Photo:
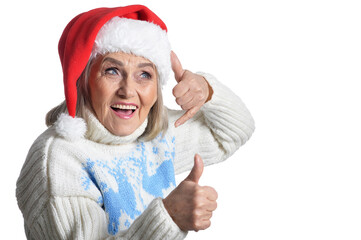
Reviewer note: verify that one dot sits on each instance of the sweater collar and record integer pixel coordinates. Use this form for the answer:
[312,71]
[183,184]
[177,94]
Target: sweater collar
[98,133]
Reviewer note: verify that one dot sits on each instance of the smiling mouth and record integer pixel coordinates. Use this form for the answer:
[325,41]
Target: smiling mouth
[123,109]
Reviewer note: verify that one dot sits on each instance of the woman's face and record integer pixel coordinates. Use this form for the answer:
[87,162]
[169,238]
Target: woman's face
[123,89]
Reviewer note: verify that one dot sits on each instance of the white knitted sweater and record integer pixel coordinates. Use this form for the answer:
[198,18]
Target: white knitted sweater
[101,186]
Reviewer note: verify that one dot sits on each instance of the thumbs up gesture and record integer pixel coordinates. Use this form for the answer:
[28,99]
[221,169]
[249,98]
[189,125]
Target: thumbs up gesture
[189,204]
[191,92]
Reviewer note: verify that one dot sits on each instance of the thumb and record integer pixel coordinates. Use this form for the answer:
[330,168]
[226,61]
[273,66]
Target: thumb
[197,170]
[176,66]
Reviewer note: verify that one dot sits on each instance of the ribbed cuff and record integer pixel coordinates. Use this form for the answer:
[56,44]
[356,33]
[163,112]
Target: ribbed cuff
[219,90]
[227,116]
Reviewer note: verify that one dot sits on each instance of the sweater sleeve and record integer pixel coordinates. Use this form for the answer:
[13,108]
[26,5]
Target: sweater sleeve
[64,216]
[221,126]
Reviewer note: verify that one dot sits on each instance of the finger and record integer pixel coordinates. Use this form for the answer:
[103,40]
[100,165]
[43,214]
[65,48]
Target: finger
[186,116]
[180,89]
[176,67]
[207,224]
[197,169]
[212,194]
[185,99]
[204,224]
[211,206]
[191,104]
[207,215]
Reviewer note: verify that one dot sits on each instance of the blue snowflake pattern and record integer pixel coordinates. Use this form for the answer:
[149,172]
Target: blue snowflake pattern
[127,183]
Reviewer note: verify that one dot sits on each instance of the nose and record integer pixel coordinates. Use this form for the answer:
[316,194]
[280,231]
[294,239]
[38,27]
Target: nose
[126,88]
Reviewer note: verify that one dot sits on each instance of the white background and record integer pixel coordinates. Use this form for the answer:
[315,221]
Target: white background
[296,65]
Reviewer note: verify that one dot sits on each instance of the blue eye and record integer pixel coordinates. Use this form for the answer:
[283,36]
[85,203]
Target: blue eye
[111,71]
[146,75]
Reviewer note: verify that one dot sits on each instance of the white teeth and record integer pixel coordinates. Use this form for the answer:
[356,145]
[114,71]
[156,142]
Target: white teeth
[120,106]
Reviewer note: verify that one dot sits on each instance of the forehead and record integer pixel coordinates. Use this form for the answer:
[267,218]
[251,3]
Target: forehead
[125,58]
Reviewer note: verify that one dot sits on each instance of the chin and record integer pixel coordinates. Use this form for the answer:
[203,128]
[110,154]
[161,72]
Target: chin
[123,128]
[123,132]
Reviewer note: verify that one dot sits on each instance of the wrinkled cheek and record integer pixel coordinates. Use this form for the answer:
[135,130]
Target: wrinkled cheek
[149,95]
[102,113]
[143,113]
[148,99]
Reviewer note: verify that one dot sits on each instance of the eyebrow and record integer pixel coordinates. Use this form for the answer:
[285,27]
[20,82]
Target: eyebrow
[140,65]
[113,60]
[121,64]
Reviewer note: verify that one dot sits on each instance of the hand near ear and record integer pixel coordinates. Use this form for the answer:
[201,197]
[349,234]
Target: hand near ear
[191,92]
[189,204]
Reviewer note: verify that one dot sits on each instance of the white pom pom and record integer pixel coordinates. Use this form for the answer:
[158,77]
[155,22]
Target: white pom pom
[70,128]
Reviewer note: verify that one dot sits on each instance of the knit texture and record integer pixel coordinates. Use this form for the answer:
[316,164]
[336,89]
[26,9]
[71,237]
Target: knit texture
[103,186]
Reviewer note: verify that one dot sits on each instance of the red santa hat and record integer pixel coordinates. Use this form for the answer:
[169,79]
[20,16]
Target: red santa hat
[132,29]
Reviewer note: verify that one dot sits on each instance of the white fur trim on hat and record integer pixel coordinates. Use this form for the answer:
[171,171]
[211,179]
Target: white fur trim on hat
[140,38]
[70,128]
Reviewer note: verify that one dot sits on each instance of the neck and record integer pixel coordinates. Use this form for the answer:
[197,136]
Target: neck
[98,133]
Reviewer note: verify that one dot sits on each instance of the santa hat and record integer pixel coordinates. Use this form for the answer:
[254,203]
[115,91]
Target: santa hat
[132,29]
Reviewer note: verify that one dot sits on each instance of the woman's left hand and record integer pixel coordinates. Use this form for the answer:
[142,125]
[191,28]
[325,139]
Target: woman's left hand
[191,92]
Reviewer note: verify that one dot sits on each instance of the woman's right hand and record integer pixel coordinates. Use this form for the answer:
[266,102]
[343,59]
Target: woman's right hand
[189,204]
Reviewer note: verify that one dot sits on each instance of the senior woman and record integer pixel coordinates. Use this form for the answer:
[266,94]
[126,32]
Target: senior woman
[105,168]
